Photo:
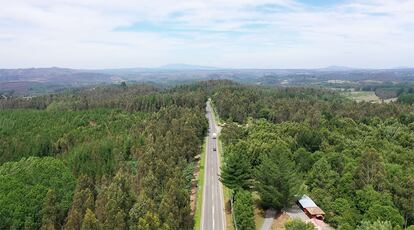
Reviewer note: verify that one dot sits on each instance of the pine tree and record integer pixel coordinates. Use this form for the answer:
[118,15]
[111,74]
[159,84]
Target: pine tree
[120,201]
[89,221]
[100,204]
[82,200]
[237,171]
[89,201]
[140,208]
[151,222]
[50,211]
[175,206]
[322,176]
[120,223]
[74,220]
[277,181]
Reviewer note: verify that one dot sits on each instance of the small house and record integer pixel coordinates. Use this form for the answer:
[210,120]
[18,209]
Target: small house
[310,208]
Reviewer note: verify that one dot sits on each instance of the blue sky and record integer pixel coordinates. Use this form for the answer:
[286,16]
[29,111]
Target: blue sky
[231,33]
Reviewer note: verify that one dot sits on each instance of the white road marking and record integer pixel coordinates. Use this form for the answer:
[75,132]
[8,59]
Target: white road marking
[212,180]
[213,216]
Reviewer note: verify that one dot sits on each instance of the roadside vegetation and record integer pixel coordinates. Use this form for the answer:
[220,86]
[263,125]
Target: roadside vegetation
[200,187]
[354,159]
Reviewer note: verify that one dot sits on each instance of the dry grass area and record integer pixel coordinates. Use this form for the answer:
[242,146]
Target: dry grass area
[259,213]
[229,217]
[280,220]
[258,217]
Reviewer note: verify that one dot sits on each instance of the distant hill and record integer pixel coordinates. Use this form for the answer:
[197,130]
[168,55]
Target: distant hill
[33,81]
[186,67]
[57,75]
[43,80]
[337,68]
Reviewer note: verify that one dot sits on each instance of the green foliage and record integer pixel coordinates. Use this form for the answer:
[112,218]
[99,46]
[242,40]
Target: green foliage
[303,159]
[368,197]
[384,213]
[406,98]
[277,105]
[243,210]
[236,172]
[119,201]
[322,176]
[377,225]
[89,221]
[277,182]
[50,211]
[30,184]
[351,156]
[297,224]
[370,170]
[132,147]
[309,139]
[26,133]
[148,135]
[151,222]
[175,206]
[95,158]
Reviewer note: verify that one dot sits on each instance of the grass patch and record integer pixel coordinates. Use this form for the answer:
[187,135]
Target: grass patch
[258,217]
[361,96]
[200,187]
[259,213]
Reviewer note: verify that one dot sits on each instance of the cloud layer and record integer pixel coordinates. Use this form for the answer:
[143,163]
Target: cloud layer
[231,33]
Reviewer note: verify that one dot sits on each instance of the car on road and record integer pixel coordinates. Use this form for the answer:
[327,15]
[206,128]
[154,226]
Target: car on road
[214,149]
[214,135]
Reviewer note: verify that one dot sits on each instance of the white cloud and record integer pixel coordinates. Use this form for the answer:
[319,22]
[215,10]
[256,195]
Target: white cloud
[233,33]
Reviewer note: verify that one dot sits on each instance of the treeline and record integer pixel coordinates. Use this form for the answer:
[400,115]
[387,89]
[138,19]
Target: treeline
[389,90]
[237,103]
[406,98]
[356,165]
[117,157]
[132,98]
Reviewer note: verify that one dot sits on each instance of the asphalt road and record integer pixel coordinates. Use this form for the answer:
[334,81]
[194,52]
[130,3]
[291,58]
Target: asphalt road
[213,213]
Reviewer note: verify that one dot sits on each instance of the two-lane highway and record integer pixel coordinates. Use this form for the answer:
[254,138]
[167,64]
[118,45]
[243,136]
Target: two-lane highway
[213,213]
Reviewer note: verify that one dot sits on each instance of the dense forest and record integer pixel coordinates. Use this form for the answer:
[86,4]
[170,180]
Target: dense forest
[356,160]
[117,157]
[123,156]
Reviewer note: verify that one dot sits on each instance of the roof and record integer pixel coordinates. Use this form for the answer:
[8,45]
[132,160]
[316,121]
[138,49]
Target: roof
[307,202]
[315,211]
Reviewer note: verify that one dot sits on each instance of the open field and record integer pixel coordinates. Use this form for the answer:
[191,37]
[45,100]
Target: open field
[367,96]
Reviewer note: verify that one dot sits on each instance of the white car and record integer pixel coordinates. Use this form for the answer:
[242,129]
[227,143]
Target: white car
[214,135]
